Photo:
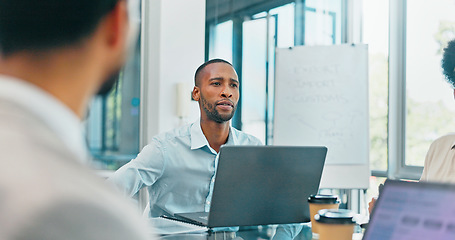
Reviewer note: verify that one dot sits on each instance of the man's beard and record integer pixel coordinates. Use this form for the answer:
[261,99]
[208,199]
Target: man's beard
[108,84]
[213,114]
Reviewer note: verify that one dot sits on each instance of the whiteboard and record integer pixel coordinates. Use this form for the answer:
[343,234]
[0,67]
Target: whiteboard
[321,99]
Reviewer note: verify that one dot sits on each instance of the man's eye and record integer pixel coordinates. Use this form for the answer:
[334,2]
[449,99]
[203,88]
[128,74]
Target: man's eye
[216,83]
[234,85]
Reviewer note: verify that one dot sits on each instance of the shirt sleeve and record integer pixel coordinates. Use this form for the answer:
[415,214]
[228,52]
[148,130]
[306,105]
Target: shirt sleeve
[143,171]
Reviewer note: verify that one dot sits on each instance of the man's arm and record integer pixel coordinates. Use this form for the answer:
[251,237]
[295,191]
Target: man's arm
[140,172]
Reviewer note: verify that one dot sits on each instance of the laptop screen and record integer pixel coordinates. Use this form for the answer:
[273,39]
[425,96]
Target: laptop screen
[413,210]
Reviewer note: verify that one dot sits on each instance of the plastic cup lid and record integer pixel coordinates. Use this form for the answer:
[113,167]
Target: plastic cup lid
[332,216]
[324,199]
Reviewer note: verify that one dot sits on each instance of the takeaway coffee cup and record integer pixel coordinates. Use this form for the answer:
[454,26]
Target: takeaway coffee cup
[335,224]
[319,202]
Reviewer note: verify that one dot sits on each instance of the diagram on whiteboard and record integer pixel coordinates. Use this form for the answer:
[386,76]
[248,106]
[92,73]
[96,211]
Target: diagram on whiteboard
[321,98]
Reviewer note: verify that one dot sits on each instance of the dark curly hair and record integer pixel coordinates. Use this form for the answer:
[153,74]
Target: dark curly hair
[448,62]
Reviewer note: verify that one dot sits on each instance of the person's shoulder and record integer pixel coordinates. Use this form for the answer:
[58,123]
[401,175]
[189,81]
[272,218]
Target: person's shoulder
[446,140]
[52,170]
[179,132]
[245,138]
[447,137]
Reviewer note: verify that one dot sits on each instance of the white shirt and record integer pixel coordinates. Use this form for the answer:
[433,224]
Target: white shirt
[64,122]
[45,190]
[440,161]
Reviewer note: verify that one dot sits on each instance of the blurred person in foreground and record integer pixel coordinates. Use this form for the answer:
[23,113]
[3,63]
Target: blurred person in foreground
[439,163]
[54,56]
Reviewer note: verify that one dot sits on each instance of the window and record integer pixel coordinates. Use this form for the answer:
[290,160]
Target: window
[221,46]
[254,81]
[430,107]
[421,102]
[322,22]
[376,35]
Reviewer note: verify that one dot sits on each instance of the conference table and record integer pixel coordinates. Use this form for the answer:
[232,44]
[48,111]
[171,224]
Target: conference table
[249,235]
[243,233]
[240,235]
[168,229]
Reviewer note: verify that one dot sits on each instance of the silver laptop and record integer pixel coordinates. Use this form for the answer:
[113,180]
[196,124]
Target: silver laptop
[259,185]
[413,210]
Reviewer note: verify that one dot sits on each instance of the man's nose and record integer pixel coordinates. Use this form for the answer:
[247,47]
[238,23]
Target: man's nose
[226,93]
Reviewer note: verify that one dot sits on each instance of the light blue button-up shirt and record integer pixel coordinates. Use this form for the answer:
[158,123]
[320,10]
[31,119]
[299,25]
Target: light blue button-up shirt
[178,167]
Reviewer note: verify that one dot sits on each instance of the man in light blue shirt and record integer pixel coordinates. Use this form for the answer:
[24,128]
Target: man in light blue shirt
[178,167]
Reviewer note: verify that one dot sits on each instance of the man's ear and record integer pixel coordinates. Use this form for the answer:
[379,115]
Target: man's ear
[196,93]
[453,93]
[117,26]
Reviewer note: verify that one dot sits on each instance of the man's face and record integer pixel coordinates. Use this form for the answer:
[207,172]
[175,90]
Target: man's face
[132,23]
[218,92]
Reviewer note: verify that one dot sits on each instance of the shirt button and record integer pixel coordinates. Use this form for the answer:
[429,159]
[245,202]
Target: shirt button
[208,202]
[213,180]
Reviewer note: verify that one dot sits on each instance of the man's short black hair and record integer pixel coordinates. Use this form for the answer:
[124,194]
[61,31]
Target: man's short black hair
[37,25]
[200,68]
[448,62]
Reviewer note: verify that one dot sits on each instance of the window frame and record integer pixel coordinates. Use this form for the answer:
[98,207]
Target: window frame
[397,168]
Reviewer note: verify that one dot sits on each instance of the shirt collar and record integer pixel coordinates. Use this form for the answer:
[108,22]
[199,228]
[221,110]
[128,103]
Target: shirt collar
[232,139]
[58,117]
[198,139]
